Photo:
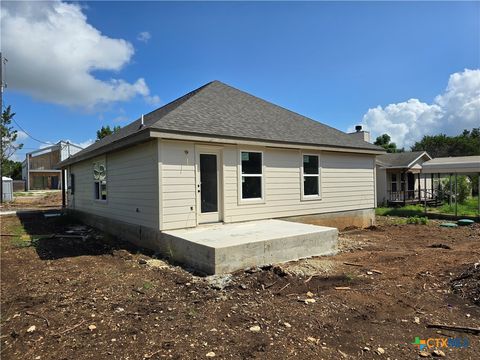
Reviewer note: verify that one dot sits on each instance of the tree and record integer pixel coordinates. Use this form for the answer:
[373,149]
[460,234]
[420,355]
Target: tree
[465,144]
[9,136]
[384,141]
[105,131]
[464,188]
[12,169]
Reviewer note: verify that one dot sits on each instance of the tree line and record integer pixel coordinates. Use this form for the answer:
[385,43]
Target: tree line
[465,144]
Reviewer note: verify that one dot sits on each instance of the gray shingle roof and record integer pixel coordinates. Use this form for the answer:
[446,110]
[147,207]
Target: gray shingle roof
[398,159]
[219,110]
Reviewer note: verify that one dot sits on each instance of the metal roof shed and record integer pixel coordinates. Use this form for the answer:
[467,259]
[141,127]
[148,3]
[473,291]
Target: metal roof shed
[465,165]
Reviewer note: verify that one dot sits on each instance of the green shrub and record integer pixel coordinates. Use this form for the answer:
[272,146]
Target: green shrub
[417,220]
[424,220]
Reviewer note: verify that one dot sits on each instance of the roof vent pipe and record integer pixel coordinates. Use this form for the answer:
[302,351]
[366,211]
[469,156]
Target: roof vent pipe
[142,123]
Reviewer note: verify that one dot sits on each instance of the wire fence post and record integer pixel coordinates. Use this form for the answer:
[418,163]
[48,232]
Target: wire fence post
[456,194]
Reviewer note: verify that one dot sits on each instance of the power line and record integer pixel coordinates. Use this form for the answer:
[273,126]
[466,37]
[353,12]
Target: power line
[40,141]
[26,132]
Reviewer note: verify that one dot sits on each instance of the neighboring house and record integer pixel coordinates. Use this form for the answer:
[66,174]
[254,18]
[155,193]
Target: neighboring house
[400,181]
[219,154]
[39,169]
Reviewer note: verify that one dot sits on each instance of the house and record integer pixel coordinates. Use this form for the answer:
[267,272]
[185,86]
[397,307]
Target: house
[400,179]
[218,154]
[39,169]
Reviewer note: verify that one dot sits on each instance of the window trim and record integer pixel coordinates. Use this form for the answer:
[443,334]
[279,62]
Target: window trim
[304,197]
[95,186]
[260,200]
[100,200]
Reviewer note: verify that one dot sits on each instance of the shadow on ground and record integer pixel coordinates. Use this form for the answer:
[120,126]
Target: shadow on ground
[55,235]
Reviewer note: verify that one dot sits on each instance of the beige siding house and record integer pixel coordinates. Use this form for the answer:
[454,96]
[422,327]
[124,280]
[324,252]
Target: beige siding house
[215,155]
[400,179]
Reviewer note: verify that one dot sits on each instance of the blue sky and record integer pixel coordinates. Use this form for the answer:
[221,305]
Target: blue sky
[334,62]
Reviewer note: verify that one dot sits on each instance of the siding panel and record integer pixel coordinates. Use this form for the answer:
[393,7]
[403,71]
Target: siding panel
[132,183]
[347,183]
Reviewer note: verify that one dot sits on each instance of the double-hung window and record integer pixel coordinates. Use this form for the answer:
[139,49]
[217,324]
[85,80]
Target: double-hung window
[311,176]
[394,183]
[251,175]
[100,180]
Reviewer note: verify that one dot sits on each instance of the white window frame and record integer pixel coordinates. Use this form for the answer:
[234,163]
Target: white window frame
[97,184]
[260,200]
[303,175]
[396,182]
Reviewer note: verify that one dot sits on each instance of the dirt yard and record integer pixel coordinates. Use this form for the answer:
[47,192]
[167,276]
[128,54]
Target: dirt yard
[79,296]
[34,200]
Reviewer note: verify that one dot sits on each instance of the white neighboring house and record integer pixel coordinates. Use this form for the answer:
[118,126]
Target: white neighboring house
[400,181]
[218,154]
[39,169]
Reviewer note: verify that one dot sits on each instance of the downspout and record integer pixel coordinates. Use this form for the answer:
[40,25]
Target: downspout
[64,190]
[28,172]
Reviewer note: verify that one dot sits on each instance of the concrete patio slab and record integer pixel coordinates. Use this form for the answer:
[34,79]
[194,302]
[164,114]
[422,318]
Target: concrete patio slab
[223,248]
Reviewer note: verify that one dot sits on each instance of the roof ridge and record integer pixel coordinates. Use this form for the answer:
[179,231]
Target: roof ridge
[178,101]
[281,107]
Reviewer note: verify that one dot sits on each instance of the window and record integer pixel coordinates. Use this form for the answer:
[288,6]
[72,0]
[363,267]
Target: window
[311,176]
[394,182]
[100,180]
[252,175]
[398,182]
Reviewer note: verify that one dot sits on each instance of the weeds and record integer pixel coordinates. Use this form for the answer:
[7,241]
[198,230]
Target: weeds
[147,285]
[350,277]
[417,220]
[192,312]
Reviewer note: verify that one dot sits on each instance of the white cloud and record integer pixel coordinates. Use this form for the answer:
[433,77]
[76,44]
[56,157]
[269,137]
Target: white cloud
[457,108]
[21,135]
[85,143]
[53,50]
[153,100]
[144,36]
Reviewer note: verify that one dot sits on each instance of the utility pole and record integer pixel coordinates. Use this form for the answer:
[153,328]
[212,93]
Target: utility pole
[1,135]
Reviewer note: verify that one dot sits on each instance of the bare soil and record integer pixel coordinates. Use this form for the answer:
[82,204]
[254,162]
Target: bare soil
[34,200]
[91,297]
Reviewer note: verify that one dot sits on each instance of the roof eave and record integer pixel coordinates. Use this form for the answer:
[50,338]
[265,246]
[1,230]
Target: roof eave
[132,139]
[419,157]
[155,133]
[181,135]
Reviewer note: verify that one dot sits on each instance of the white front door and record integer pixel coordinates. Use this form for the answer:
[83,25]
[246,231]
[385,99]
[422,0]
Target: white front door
[209,204]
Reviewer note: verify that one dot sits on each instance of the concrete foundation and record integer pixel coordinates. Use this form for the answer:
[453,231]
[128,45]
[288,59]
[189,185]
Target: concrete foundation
[229,247]
[340,220]
[223,248]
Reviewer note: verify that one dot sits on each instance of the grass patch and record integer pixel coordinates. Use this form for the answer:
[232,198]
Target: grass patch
[21,239]
[469,208]
[23,193]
